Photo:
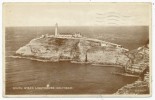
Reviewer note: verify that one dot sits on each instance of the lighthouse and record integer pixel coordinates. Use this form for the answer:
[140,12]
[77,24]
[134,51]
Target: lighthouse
[56,30]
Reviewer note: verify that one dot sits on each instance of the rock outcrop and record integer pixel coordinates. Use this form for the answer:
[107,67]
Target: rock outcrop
[74,49]
[138,64]
[107,55]
[86,50]
[138,87]
[139,60]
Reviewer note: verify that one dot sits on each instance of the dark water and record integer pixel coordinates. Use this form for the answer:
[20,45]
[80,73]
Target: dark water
[75,78]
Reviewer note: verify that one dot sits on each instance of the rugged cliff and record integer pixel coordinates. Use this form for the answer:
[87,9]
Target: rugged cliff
[139,60]
[74,49]
[138,64]
[141,86]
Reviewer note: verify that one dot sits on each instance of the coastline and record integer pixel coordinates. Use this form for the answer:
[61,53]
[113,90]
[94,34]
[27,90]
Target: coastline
[71,61]
[86,51]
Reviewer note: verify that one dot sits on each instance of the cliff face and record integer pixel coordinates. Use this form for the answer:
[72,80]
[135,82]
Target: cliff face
[79,49]
[107,55]
[139,60]
[52,49]
[138,63]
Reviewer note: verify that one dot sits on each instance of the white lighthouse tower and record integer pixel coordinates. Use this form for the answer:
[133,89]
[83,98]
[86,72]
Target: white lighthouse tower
[56,30]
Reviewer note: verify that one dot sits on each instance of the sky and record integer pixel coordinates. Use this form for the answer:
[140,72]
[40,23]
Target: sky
[76,14]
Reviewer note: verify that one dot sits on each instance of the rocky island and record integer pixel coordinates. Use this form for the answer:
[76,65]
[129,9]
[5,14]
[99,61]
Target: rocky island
[75,48]
[82,50]
[78,49]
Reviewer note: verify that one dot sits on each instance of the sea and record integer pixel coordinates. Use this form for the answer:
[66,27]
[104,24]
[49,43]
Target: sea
[32,77]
